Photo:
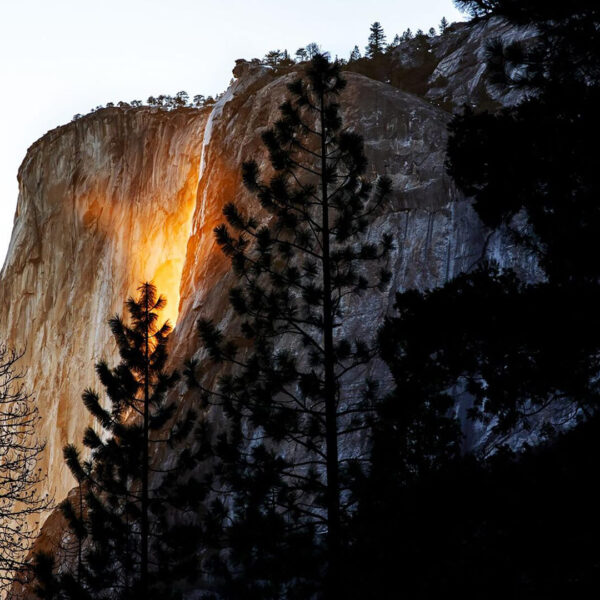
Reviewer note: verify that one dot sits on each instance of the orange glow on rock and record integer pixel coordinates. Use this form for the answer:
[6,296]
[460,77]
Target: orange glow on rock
[166,279]
[145,240]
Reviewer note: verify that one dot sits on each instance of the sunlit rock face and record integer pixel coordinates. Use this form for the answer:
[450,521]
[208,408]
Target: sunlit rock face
[104,204]
[436,233]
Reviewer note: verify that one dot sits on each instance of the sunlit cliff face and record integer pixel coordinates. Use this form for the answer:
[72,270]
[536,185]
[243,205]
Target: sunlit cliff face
[166,279]
[176,232]
[106,203]
[158,260]
[151,240]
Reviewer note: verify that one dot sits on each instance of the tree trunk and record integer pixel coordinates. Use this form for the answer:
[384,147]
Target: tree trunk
[79,539]
[332,490]
[144,517]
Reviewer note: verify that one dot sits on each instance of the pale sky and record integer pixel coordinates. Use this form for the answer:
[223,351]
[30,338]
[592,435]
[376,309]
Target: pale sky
[61,57]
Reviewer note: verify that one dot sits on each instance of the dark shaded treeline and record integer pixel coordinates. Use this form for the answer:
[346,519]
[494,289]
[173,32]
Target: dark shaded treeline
[280,511]
[518,524]
[281,61]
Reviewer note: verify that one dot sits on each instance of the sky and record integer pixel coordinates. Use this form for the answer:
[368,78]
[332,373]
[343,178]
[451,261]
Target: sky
[62,57]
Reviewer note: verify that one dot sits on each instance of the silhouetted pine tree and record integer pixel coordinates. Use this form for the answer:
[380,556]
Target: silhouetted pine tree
[132,542]
[376,43]
[290,411]
[355,54]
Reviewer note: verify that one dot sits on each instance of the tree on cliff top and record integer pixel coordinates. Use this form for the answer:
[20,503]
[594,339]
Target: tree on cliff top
[134,544]
[20,476]
[291,412]
[354,55]
[376,43]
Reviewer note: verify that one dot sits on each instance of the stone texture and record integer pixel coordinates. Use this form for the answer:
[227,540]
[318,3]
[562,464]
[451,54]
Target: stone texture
[404,138]
[104,204]
[459,76]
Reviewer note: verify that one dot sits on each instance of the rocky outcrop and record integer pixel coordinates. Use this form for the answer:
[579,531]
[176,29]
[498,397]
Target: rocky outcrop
[451,70]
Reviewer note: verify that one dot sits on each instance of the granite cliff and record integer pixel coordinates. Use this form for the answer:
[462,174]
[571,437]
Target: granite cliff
[104,203]
[127,195]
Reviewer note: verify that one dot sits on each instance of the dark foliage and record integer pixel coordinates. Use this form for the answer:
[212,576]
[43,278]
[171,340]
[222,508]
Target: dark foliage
[518,525]
[280,59]
[410,73]
[284,481]
[486,334]
[377,43]
[128,541]
[181,100]
[537,12]
[531,172]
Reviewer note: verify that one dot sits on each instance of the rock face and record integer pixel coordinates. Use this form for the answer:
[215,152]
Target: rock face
[105,203]
[460,73]
[451,70]
[404,138]
[127,195]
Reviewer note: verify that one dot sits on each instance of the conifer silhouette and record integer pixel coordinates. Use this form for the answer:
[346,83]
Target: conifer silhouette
[376,46]
[130,543]
[289,410]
